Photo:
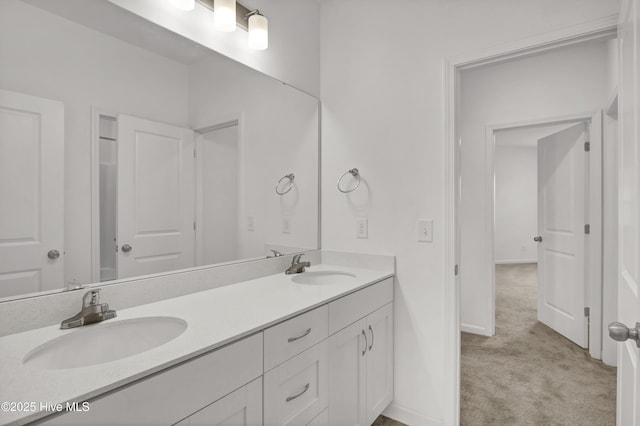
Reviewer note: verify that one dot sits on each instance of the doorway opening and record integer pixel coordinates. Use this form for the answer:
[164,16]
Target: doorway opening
[458,140]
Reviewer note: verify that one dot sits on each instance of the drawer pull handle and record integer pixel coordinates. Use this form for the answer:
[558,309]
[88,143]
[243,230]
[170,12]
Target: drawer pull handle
[364,351]
[291,398]
[293,339]
[371,330]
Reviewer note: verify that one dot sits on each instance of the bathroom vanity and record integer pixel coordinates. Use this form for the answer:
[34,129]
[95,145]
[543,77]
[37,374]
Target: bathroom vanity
[308,348]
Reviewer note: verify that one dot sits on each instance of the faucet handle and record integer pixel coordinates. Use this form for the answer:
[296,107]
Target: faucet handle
[296,258]
[91,298]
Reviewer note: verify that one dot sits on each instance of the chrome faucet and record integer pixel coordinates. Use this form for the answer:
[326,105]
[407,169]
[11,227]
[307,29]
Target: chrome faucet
[297,266]
[276,253]
[92,311]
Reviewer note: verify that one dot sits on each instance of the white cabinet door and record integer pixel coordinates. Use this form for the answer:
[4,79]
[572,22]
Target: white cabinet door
[240,408]
[31,193]
[379,361]
[347,376]
[156,197]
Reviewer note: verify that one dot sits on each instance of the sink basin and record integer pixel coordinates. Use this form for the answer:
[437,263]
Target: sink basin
[105,342]
[322,277]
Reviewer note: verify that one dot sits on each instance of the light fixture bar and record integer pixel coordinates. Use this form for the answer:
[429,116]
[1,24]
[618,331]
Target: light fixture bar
[241,13]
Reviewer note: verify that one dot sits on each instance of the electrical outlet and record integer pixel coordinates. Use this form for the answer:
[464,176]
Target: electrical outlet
[286,225]
[362,228]
[250,223]
[425,230]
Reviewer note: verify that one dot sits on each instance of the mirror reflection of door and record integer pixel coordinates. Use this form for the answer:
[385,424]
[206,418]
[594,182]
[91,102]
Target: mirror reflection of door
[31,194]
[155,197]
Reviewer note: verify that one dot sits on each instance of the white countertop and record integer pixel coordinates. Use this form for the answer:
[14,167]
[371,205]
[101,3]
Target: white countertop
[214,317]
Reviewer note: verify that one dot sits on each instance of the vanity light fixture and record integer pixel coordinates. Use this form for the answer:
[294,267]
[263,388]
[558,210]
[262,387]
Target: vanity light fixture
[229,14]
[224,15]
[185,5]
[258,28]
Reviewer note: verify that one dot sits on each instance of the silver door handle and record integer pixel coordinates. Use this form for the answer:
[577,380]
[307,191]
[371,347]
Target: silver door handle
[620,332]
[53,254]
[537,239]
[371,330]
[126,248]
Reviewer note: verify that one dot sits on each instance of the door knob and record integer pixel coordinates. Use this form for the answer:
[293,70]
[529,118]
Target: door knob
[537,239]
[126,248]
[53,254]
[620,332]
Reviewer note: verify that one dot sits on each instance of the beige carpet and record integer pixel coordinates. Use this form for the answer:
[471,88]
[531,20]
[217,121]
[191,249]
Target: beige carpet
[527,374]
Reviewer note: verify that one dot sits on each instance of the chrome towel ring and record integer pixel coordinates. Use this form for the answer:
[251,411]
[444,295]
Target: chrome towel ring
[291,178]
[353,172]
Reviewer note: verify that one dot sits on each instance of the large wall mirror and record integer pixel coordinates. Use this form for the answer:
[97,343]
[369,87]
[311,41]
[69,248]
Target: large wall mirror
[126,150]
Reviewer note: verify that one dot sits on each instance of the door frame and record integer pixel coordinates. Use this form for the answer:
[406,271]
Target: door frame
[228,120]
[96,113]
[593,244]
[604,28]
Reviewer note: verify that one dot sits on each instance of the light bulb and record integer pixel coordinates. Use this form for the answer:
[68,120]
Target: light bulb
[258,32]
[185,5]
[224,15]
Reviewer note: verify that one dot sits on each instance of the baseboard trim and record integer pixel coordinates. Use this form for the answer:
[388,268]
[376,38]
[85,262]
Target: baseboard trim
[409,417]
[474,329]
[509,261]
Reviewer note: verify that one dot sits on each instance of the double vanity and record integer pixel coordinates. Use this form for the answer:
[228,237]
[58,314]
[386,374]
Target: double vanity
[314,347]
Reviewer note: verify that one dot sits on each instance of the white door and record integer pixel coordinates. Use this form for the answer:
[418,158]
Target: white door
[156,197]
[628,409]
[31,194]
[347,376]
[379,361]
[562,168]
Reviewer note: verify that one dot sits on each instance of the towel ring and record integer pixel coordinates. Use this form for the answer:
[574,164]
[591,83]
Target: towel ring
[291,178]
[353,172]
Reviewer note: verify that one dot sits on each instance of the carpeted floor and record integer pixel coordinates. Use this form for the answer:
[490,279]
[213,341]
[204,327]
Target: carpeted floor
[527,374]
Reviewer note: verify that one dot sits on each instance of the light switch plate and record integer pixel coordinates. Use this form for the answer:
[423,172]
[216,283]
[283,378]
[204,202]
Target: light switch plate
[362,228]
[250,224]
[425,230]
[286,225]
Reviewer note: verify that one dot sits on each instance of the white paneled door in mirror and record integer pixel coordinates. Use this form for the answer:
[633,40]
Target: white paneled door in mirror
[562,189]
[31,194]
[628,411]
[156,197]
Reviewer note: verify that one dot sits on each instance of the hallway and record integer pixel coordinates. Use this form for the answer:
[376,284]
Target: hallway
[527,374]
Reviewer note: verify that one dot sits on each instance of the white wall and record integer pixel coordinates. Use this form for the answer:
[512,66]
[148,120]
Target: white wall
[610,208]
[294,36]
[279,135]
[382,93]
[516,200]
[564,82]
[47,56]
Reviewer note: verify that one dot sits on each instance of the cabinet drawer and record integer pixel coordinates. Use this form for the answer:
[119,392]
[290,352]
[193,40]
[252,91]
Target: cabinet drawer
[321,420]
[242,407]
[297,391]
[351,308]
[291,337]
[173,394]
